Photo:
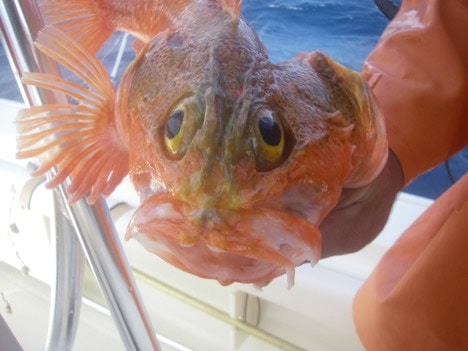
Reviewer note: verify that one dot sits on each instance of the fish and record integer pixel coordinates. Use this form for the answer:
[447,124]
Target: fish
[236,160]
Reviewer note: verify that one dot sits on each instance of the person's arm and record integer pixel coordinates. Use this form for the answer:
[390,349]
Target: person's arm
[415,298]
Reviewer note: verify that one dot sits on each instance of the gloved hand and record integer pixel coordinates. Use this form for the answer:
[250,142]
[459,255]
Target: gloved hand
[361,213]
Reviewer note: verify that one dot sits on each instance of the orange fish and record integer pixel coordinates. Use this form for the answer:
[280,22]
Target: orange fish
[236,160]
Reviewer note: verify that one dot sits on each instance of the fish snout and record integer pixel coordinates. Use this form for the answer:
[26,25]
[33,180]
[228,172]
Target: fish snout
[208,185]
[246,245]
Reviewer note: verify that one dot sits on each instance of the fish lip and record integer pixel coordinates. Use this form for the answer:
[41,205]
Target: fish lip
[195,240]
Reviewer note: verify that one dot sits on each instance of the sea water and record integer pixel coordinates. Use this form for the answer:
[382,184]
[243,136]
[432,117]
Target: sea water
[346,30]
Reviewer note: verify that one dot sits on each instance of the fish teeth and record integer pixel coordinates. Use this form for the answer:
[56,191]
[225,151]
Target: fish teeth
[290,274]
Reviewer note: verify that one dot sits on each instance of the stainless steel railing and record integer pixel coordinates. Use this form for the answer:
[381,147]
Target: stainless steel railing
[90,226]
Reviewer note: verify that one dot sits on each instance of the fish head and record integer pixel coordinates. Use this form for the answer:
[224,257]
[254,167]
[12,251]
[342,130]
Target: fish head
[236,160]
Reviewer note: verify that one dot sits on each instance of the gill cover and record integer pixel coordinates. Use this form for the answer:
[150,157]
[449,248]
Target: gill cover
[352,96]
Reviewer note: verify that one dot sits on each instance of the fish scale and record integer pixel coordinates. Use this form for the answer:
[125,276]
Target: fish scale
[260,154]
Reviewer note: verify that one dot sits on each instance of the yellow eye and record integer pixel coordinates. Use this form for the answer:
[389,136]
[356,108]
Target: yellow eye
[182,124]
[174,130]
[272,138]
[271,145]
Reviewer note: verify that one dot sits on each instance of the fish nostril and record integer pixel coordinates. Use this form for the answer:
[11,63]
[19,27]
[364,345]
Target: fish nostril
[175,40]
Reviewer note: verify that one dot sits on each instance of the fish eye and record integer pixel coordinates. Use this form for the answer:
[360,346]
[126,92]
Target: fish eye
[173,131]
[270,145]
[181,126]
[174,124]
[270,131]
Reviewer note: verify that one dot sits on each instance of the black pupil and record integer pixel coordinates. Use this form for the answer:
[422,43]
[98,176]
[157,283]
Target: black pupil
[174,123]
[270,130]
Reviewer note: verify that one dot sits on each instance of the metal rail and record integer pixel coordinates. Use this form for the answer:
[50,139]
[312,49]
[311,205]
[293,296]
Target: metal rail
[20,21]
[388,8]
[67,285]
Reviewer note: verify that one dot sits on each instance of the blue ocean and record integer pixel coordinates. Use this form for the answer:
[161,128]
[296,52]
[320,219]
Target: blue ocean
[346,30]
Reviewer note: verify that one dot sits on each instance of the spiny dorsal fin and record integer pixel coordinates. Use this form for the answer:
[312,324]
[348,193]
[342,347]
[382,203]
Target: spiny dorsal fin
[92,22]
[81,140]
[233,7]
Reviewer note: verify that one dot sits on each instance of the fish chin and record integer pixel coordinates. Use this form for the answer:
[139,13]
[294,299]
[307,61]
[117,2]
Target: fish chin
[245,245]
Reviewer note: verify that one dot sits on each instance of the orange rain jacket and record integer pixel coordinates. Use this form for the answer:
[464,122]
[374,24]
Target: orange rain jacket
[417,296]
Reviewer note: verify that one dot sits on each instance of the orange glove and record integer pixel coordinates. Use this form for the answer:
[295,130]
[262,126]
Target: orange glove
[417,297]
[419,75]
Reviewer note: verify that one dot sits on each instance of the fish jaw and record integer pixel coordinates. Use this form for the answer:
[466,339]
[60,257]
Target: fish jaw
[244,245]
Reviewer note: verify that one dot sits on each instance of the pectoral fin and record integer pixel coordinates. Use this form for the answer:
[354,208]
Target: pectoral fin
[84,20]
[81,140]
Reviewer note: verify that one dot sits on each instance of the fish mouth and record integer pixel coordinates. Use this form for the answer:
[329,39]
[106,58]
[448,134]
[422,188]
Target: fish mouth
[242,245]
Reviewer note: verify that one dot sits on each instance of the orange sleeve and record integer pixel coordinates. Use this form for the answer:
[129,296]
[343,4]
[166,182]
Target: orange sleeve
[419,75]
[417,296]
